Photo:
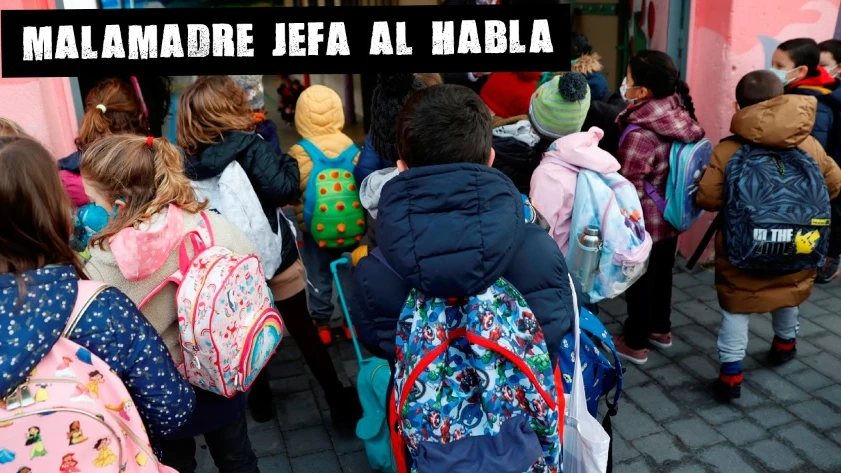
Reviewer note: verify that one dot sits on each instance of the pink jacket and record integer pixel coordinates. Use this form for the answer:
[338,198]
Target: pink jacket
[553,182]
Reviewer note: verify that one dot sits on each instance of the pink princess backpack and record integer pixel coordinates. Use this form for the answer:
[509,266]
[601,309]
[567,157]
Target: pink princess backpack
[73,414]
[229,327]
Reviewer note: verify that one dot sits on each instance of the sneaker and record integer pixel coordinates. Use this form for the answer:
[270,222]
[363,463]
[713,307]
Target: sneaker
[782,351]
[325,333]
[728,385]
[637,357]
[660,340]
[829,271]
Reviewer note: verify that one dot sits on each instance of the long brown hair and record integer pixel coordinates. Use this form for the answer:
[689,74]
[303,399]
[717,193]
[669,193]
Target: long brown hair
[36,222]
[208,108]
[147,178]
[112,107]
[12,128]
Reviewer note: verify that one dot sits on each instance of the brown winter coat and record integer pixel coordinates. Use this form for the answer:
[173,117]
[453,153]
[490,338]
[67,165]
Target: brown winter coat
[782,122]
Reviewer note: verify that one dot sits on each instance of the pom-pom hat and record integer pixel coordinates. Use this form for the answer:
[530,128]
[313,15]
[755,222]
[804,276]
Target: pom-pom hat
[559,107]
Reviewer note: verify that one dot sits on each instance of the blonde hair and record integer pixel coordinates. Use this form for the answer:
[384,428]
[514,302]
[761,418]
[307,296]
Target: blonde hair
[208,108]
[12,128]
[147,178]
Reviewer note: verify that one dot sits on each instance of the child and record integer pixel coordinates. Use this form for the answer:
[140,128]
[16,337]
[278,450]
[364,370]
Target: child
[507,94]
[768,118]
[320,119]
[11,128]
[449,224]
[830,55]
[215,129]
[515,145]
[553,183]
[586,62]
[35,230]
[662,108]
[252,87]
[797,63]
[380,150]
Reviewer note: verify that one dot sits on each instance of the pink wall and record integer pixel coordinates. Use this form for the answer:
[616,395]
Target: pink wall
[730,38]
[44,107]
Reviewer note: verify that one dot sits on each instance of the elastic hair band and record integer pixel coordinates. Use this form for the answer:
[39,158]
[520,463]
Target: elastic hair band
[102,108]
[149,140]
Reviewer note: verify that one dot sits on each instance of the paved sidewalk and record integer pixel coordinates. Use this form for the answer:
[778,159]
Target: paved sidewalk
[788,419]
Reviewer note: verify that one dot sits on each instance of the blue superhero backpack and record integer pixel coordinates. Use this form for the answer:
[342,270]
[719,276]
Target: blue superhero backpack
[777,211]
[686,165]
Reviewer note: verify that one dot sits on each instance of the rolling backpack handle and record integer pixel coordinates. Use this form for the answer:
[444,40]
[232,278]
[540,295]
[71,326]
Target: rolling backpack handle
[334,268]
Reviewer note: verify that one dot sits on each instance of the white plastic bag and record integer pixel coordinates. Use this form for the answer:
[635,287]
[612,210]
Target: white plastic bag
[586,444]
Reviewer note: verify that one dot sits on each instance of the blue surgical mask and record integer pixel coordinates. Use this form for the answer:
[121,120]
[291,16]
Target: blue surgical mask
[781,74]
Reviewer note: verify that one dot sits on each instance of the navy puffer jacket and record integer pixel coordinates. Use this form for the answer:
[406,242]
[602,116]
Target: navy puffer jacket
[828,119]
[451,231]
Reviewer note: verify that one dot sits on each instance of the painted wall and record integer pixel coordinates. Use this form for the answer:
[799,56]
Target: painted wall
[44,107]
[730,38]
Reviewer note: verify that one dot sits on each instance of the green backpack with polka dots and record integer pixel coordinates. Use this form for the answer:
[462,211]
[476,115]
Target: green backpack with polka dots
[332,211]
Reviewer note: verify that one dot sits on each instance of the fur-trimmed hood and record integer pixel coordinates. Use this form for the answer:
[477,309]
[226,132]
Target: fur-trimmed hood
[588,64]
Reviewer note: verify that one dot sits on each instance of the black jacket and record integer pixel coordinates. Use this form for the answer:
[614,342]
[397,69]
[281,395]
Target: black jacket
[603,114]
[517,160]
[275,177]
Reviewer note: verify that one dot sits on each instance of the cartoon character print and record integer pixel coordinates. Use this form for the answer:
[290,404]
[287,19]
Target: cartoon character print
[105,457]
[633,220]
[24,469]
[75,435]
[530,333]
[69,464]
[63,370]
[41,394]
[33,438]
[123,409]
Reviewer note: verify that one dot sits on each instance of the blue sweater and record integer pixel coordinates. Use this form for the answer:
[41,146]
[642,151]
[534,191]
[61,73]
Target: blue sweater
[112,328]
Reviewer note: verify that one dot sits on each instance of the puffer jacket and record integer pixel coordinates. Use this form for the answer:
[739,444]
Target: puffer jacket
[319,117]
[369,162]
[482,213]
[782,122]
[72,180]
[515,143]
[590,66]
[112,328]
[369,196]
[827,90]
[274,176]
[267,128]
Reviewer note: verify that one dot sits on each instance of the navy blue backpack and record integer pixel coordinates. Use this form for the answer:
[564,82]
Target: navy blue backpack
[777,213]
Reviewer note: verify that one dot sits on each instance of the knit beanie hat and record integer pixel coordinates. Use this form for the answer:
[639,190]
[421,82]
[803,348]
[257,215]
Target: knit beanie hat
[507,94]
[252,87]
[389,96]
[559,107]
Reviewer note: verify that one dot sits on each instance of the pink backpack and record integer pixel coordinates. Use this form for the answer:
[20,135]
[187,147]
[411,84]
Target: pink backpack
[74,414]
[229,327]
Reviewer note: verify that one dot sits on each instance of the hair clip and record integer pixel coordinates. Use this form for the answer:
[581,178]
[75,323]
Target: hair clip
[102,108]
[149,140]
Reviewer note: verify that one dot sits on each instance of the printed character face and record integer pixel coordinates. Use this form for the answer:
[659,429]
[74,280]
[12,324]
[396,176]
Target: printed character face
[97,377]
[487,320]
[75,426]
[102,443]
[428,333]
[33,431]
[68,458]
[435,419]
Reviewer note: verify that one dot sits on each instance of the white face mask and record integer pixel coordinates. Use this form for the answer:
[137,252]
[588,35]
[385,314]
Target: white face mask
[834,70]
[623,89]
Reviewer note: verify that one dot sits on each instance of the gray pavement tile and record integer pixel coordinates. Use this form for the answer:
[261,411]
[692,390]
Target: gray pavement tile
[775,386]
[831,394]
[273,464]
[671,375]
[831,322]
[828,342]
[634,466]
[720,414]
[307,440]
[825,364]
[742,432]
[810,380]
[622,450]
[662,448]
[694,433]
[817,414]
[771,416]
[700,366]
[684,280]
[691,467]
[267,441]
[356,462]
[298,410]
[775,456]
[322,462]
[728,459]
[653,400]
[820,451]
[632,423]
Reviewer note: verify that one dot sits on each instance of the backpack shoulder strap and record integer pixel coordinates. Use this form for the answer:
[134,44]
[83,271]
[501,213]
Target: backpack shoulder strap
[627,131]
[313,151]
[379,255]
[86,293]
[345,159]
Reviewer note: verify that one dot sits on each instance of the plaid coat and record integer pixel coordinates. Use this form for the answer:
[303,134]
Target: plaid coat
[644,155]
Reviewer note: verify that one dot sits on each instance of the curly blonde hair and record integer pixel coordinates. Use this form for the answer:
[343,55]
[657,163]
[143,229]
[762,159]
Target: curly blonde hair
[147,178]
[208,108]
[12,128]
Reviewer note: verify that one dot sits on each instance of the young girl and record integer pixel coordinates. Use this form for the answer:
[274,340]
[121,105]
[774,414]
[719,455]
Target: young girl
[662,108]
[252,88]
[797,63]
[140,183]
[215,129]
[39,275]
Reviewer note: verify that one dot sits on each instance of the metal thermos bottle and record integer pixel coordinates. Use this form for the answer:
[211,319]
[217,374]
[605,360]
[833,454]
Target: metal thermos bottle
[588,266]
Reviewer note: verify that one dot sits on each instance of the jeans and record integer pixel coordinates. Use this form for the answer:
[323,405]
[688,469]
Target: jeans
[650,298]
[320,288]
[733,334]
[229,446]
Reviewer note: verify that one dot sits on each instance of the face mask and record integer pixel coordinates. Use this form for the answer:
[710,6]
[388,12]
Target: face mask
[95,218]
[623,90]
[782,75]
[833,71]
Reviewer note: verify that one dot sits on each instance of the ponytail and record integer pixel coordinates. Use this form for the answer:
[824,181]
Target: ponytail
[112,107]
[171,184]
[683,91]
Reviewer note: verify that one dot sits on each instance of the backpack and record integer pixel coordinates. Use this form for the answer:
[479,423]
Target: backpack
[474,384]
[332,212]
[233,196]
[610,203]
[686,165]
[229,327]
[600,374]
[73,413]
[777,211]
[532,215]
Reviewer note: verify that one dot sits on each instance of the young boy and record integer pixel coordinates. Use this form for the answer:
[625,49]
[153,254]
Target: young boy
[450,225]
[767,118]
[830,55]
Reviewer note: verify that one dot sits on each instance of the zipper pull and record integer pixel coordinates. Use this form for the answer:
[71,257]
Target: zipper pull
[26,397]
[13,400]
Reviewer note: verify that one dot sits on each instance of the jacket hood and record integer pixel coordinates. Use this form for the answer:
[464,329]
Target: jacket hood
[319,112]
[371,188]
[667,117]
[71,163]
[833,98]
[519,130]
[31,326]
[588,64]
[140,252]
[450,230]
[582,151]
[211,160]
[823,79]
[782,122]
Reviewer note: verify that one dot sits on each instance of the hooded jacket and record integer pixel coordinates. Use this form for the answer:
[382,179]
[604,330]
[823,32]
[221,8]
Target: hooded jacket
[138,260]
[319,117]
[369,197]
[553,183]
[508,94]
[112,328]
[515,143]
[827,90]
[369,162]
[644,155]
[451,231]
[590,66]
[782,122]
[274,177]
[71,178]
